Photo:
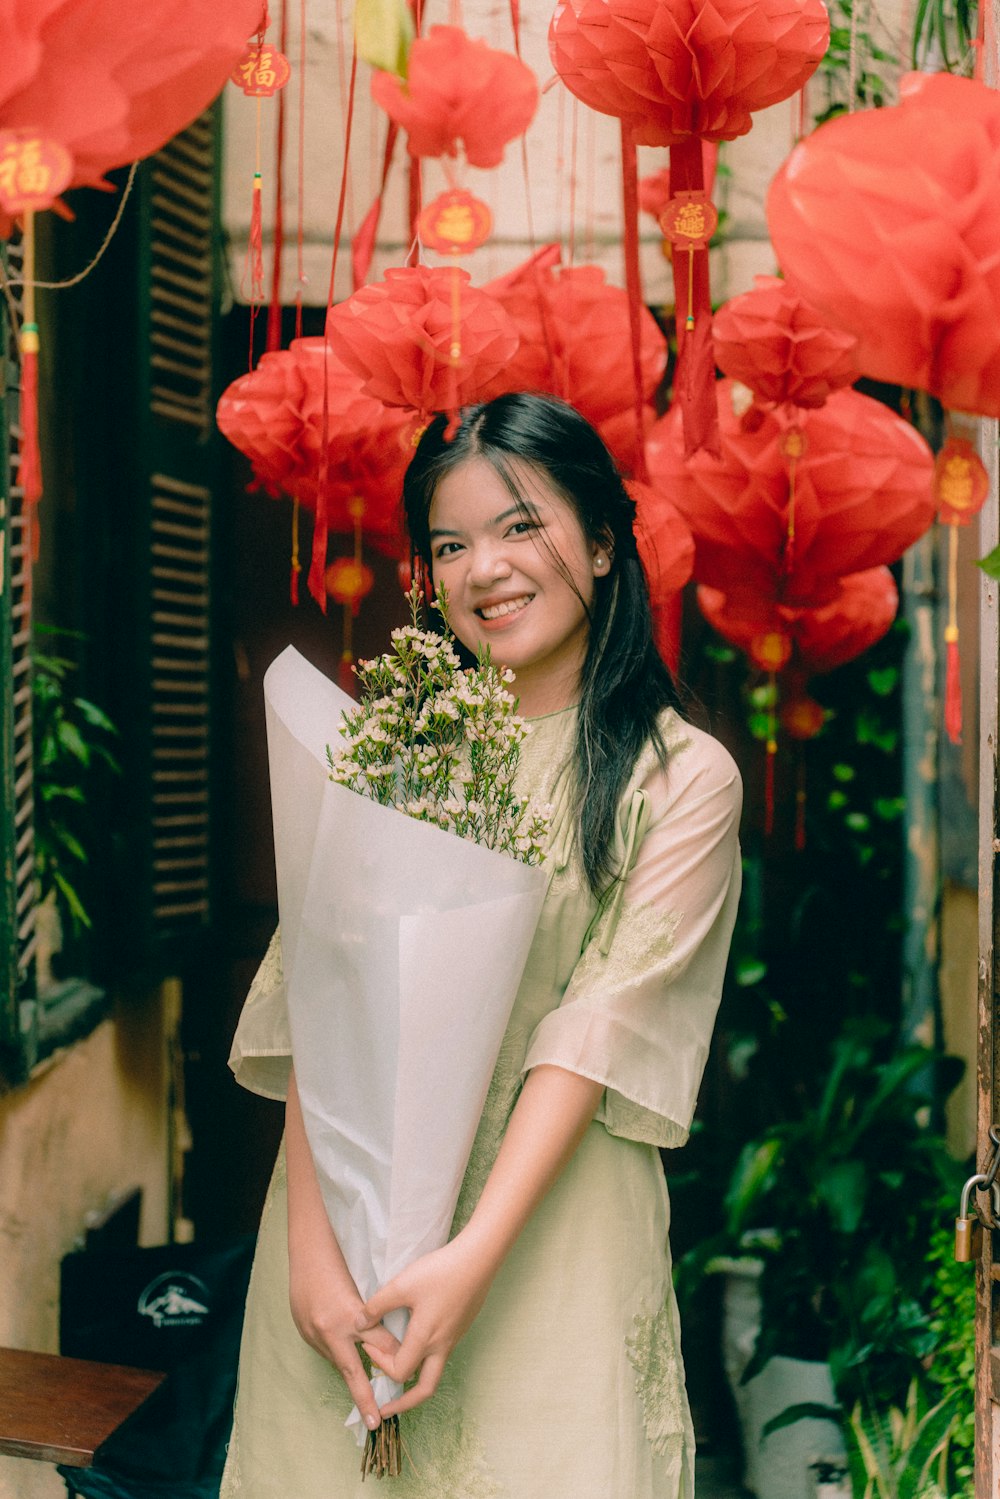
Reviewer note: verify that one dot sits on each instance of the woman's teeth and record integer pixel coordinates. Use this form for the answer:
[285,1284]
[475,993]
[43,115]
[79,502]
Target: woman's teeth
[509,606]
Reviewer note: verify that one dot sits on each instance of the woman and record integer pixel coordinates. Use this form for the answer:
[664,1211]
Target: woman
[543,1338]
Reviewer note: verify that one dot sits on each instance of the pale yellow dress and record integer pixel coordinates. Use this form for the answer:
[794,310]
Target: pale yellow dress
[570,1383]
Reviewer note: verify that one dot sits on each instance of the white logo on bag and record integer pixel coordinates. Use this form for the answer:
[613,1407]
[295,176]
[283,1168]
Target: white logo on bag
[172,1300]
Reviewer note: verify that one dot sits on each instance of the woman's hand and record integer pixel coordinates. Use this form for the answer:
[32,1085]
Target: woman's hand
[324,1300]
[325,1306]
[443,1292]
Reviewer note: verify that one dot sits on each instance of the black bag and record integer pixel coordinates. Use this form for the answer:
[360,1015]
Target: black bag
[178,1308]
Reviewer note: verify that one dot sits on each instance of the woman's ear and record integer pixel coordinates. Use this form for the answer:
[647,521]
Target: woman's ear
[603,553]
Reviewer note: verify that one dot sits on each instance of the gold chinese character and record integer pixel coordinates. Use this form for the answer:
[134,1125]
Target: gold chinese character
[956,483]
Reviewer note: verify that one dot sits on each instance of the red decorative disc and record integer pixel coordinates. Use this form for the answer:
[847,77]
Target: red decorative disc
[261,71]
[771,651]
[33,171]
[794,443]
[689,220]
[347,581]
[961,483]
[455,221]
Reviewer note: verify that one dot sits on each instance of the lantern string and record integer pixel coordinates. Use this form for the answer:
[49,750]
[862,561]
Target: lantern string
[574,131]
[560,164]
[589,152]
[97,258]
[771,755]
[273,338]
[953,671]
[852,69]
[800,802]
[30,468]
[321,530]
[296,564]
[633,284]
[790,539]
[301,186]
[347,94]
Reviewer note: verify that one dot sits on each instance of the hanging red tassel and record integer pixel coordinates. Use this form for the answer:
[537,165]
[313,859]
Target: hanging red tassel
[30,473]
[688,222]
[255,249]
[952,686]
[633,284]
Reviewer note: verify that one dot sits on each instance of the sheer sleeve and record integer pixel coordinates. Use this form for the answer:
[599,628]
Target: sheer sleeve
[261,1056]
[640,1006]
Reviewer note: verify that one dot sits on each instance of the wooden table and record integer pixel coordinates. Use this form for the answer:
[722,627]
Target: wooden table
[60,1410]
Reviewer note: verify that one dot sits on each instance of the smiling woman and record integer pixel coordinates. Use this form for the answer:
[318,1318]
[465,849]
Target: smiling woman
[519,577]
[542,1357]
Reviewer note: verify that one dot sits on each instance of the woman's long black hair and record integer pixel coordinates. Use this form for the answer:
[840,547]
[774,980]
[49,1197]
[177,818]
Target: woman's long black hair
[624,683]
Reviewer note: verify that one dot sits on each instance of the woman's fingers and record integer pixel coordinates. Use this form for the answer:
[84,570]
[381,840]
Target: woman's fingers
[352,1371]
[387,1299]
[430,1378]
[380,1344]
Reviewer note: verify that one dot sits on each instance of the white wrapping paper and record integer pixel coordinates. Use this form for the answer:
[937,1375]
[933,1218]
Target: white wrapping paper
[403,947]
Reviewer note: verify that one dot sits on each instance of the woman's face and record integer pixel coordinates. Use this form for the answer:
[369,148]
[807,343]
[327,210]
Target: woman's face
[518,579]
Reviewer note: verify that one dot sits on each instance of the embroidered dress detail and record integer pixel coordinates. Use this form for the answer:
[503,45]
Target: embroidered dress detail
[644,939]
[653,1354]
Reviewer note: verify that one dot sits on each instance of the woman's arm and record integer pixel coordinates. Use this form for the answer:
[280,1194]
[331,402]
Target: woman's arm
[324,1299]
[444,1290]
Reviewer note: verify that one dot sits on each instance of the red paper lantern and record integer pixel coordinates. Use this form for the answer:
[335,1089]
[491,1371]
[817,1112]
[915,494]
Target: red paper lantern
[422,338]
[275,416]
[575,344]
[111,82]
[862,495]
[888,221]
[459,90]
[671,69]
[773,341]
[809,641]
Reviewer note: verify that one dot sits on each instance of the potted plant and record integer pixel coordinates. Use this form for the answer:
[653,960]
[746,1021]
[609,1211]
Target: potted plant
[837,1203]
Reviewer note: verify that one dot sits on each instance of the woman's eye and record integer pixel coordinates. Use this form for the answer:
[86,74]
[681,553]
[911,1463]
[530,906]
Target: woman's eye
[523,527]
[447,549]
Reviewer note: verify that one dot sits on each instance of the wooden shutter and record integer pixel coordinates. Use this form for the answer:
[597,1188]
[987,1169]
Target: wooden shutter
[17,929]
[167,702]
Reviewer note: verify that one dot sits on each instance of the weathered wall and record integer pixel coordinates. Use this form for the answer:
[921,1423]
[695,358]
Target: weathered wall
[92,1124]
[958,978]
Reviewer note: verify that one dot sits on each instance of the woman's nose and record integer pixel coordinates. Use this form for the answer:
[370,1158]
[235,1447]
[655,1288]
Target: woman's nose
[489,562]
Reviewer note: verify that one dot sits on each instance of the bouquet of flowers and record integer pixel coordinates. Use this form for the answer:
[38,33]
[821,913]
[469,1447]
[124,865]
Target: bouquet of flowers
[403,945]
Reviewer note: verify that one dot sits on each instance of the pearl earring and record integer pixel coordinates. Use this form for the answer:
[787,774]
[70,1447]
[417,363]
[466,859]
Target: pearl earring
[599,564]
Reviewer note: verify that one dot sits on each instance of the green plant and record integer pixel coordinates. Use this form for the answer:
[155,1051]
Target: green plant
[70,738]
[894,1453]
[944,34]
[952,1365]
[849,1187]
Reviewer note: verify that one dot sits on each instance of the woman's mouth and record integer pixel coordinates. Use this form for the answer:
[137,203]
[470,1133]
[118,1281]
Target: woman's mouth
[505,608]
